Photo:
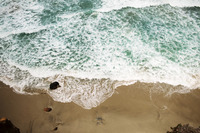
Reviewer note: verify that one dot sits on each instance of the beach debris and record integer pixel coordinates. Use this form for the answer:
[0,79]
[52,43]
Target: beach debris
[47,109]
[6,126]
[54,85]
[99,120]
[184,129]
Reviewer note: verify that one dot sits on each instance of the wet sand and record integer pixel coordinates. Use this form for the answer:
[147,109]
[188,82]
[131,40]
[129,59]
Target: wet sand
[132,109]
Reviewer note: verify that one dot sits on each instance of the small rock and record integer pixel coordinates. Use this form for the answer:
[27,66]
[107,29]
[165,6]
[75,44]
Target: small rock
[47,109]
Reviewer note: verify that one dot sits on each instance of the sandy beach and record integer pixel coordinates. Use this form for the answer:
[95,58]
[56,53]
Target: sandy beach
[131,109]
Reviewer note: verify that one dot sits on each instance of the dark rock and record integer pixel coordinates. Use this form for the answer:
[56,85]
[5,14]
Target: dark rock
[184,129]
[54,85]
[6,126]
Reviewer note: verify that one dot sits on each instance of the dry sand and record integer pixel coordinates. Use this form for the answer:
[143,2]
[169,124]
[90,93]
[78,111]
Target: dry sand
[132,109]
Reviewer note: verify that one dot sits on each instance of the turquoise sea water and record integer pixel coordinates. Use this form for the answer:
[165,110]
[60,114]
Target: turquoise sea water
[90,46]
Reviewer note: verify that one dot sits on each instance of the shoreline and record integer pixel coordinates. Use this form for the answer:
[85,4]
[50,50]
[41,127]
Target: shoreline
[132,108]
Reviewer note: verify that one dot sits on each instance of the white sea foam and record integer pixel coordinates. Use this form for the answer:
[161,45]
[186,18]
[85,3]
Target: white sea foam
[19,16]
[88,92]
[29,29]
[118,4]
[170,73]
[110,65]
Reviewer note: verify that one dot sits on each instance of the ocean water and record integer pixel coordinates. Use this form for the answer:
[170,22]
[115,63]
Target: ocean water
[93,46]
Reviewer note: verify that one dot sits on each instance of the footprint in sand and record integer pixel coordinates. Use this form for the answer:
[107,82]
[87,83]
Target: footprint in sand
[55,129]
[99,120]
